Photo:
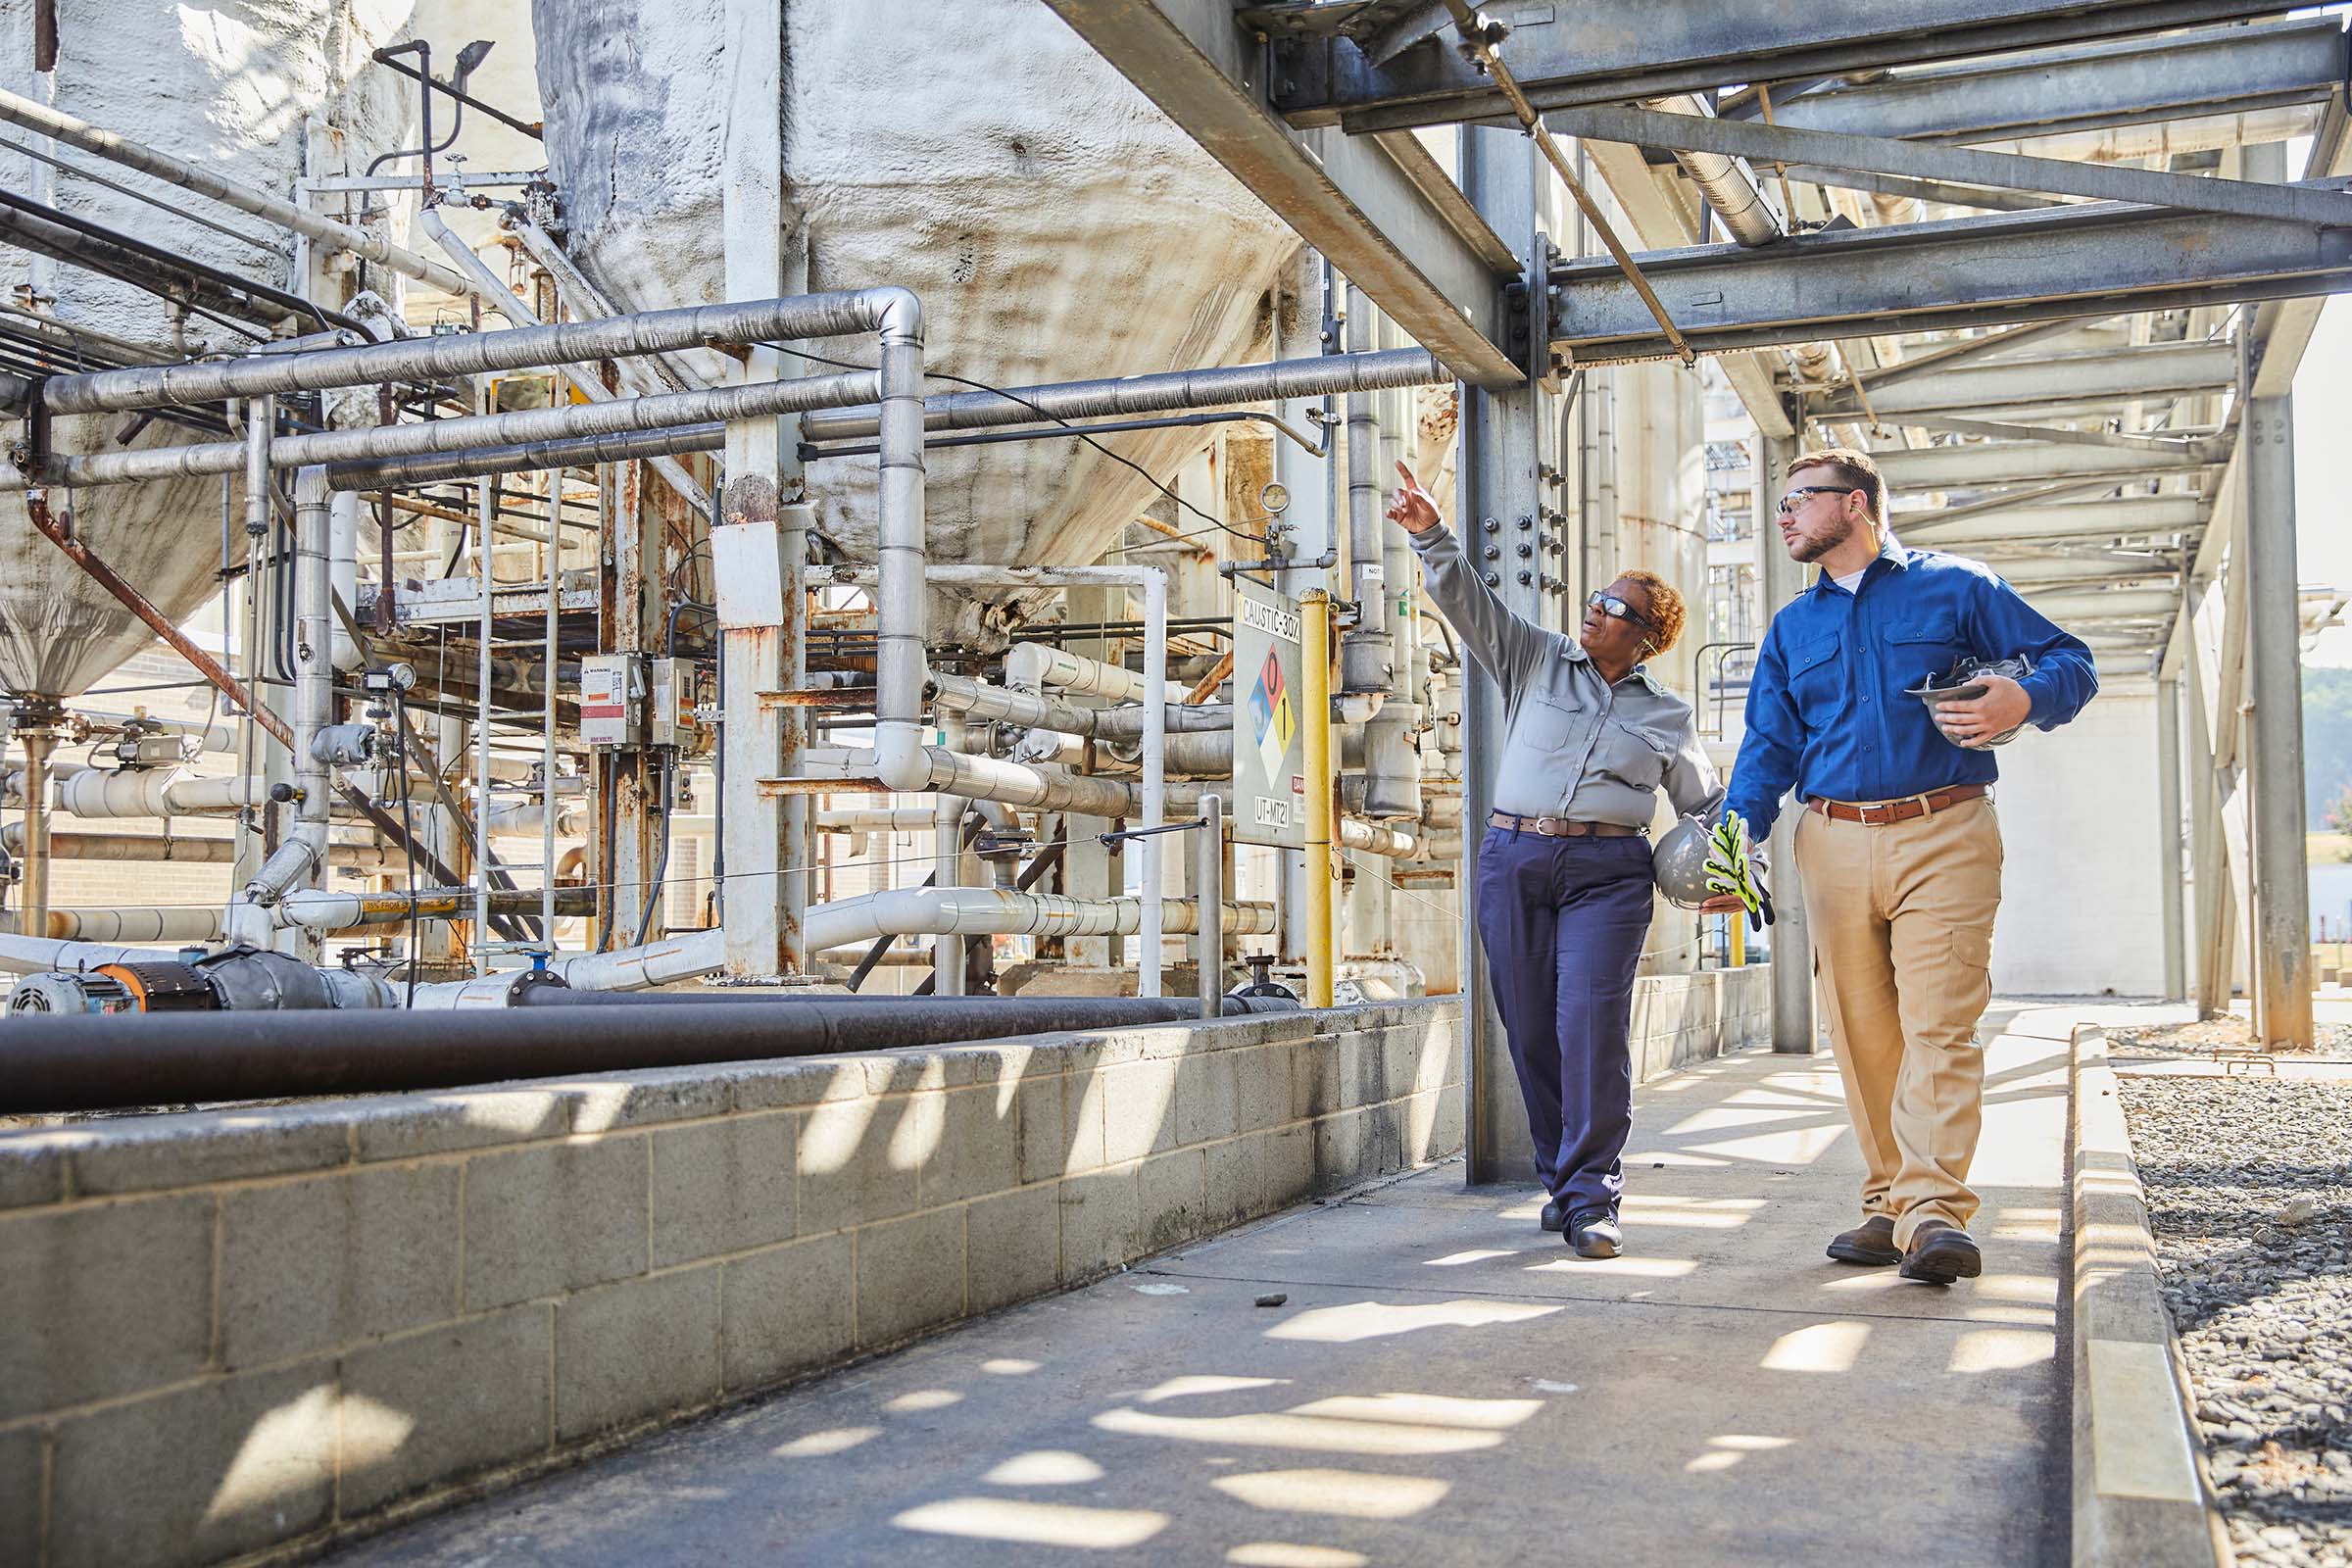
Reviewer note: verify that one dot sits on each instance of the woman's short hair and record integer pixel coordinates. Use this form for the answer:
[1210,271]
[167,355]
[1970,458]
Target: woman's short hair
[1666,612]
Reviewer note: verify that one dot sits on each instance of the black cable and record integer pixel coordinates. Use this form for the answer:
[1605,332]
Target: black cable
[653,894]
[1014,397]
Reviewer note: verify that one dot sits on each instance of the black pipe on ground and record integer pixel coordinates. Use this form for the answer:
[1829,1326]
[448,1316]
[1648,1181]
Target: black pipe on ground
[118,1062]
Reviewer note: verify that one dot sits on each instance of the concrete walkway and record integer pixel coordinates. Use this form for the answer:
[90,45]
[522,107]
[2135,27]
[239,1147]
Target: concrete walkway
[1438,1383]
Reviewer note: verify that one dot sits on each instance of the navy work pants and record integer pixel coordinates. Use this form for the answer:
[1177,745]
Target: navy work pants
[1563,922]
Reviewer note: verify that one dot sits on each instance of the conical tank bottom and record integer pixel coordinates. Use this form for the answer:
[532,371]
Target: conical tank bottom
[60,632]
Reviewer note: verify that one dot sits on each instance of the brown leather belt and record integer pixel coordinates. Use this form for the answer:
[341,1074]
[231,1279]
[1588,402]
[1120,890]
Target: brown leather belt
[1561,827]
[1878,814]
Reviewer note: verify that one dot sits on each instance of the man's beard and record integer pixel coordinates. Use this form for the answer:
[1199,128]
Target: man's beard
[1808,550]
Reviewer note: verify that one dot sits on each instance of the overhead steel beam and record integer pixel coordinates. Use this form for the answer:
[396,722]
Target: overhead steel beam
[2123,516]
[1991,462]
[2167,369]
[1925,190]
[1970,272]
[1659,220]
[1601,51]
[2212,70]
[1431,266]
[2097,604]
[2105,182]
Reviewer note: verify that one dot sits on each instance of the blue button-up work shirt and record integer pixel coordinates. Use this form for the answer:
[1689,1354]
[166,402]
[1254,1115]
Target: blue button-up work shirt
[1826,713]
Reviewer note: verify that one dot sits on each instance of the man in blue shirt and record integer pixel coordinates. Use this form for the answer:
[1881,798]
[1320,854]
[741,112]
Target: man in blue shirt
[1898,851]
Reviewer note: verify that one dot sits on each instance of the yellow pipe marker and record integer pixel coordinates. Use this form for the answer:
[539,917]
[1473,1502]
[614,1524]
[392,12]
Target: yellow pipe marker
[1314,663]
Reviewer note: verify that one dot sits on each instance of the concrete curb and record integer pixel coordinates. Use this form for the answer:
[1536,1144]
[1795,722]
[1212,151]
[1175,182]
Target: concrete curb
[2141,1497]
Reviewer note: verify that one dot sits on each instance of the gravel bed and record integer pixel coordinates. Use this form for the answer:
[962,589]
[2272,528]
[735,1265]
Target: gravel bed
[2331,1042]
[2250,1187]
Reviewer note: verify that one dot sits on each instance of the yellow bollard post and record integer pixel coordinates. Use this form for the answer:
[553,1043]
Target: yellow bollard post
[1739,939]
[1314,665]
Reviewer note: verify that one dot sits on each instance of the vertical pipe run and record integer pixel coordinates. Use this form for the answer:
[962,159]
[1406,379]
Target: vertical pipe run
[1783,579]
[1209,892]
[1155,775]
[1314,663]
[947,866]
[2282,916]
[485,493]
[547,740]
[34,856]
[2168,839]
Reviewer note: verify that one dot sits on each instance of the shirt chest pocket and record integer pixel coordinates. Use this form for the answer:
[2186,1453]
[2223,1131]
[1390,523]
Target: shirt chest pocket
[1922,647]
[1814,681]
[1542,724]
[1632,755]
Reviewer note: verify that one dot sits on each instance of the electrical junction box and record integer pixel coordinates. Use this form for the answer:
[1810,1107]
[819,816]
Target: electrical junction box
[613,693]
[682,705]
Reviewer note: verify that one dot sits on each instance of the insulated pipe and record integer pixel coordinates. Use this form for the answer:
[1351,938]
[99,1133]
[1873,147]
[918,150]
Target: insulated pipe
[1300,377]
[470,354]
[93,1063]
[1033,666]
[97,792]
[47,121]
[504,299]
[299,856]
[317,910]
[343,575]
[33,863]
[34,955]
[571,451]
[1155,775]
[1206,388]
[143,847]
[947,868]
[990,911]
[1367,652]
[1728,187]
[980,703]
[152,924]
[1208,905]
[756,400]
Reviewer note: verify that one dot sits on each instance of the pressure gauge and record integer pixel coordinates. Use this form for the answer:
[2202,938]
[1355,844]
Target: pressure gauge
[1275,498]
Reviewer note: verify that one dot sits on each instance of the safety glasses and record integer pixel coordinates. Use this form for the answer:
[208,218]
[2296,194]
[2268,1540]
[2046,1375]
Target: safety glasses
[1610,605]
[1797,497]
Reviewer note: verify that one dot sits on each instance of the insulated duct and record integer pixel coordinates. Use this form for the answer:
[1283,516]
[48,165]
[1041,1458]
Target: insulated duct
[99,1063]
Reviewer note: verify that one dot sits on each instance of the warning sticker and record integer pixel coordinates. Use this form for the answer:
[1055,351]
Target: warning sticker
[1271,715]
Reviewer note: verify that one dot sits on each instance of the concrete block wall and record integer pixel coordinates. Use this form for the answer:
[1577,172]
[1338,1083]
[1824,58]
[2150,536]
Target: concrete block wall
[1681,1018]
[244,1330]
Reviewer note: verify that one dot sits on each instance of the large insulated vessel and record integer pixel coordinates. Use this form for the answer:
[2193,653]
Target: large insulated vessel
[1056,224]
[228,87]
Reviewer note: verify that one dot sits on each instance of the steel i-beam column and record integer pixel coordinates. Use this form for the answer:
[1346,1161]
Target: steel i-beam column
[1499,485]
[2167,837]
[2281,948]
[1793,1025]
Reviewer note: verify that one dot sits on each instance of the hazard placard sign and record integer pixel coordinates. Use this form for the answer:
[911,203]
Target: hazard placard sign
[1269,772]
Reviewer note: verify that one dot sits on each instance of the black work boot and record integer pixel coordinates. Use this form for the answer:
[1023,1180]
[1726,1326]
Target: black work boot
[1941,1253]
[1593,1233]
[1556,1218]
[1870,1244]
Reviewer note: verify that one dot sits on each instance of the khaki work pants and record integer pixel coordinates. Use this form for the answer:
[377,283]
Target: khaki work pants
[1902,943]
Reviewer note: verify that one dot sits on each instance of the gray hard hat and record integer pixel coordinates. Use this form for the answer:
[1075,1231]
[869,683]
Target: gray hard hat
[1678,861]
[1963,682]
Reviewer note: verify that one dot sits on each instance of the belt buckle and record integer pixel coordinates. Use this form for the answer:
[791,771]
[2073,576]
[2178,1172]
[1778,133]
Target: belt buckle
[1545,826]
[1868,814]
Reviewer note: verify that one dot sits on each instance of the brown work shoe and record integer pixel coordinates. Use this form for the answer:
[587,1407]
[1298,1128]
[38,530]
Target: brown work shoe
[1940,1254]
[1870,1244]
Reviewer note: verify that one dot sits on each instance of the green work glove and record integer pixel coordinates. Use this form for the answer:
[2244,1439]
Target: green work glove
[1733,869]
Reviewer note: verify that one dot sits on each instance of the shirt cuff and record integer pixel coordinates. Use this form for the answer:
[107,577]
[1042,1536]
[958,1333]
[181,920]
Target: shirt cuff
[1759,818]
[2042,690]
[1428,539]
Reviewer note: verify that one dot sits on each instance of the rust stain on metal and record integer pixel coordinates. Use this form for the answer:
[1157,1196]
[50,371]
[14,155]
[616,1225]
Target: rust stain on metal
[36,507]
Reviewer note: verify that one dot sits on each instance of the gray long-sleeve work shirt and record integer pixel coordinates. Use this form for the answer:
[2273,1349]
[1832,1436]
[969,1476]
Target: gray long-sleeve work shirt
[1573,745]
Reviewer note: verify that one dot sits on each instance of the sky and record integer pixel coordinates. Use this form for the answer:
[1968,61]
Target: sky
[2324,468]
